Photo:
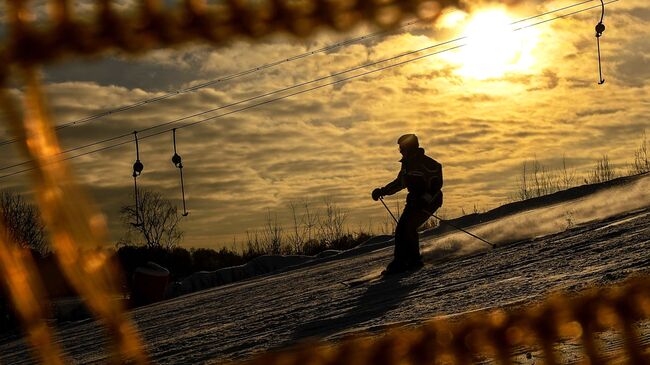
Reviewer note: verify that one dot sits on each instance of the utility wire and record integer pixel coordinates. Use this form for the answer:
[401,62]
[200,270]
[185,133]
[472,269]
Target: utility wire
[245,73]
[294,93]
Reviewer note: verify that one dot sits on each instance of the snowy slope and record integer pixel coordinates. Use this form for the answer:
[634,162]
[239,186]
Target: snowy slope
[573,249]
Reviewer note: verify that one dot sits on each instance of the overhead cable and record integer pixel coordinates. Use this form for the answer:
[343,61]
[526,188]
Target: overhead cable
[239,74]
[252,70]
[288,95]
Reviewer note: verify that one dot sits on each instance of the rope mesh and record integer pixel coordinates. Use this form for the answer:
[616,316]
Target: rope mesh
[155,25]
[78,230]
[499,335]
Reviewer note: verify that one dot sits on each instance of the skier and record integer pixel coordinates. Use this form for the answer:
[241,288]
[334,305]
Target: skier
[422,177]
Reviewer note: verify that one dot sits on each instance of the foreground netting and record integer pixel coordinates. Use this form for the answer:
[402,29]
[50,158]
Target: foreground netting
[497,336]
[154,25]
[78,230]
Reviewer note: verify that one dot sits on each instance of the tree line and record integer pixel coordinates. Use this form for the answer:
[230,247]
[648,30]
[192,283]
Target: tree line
[154,230]
[536,179]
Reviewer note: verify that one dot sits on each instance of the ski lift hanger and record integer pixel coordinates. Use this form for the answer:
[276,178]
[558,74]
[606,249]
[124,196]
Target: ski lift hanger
[137,171]
[177,161]
[600,29]
[138,167]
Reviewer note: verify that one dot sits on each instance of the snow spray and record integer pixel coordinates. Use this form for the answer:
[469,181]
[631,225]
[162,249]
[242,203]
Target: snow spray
[550,219]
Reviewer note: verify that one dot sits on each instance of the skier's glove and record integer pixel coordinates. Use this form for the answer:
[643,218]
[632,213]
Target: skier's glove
[377,193]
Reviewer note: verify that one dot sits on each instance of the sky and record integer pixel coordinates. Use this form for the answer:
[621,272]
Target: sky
[481,110]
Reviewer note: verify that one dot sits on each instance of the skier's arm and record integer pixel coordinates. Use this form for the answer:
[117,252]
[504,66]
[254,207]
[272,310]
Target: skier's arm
[435,182]
[434,174]
[393,186]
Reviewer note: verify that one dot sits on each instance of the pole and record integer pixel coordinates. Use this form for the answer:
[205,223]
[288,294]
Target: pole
[388,209]
[441,221]
[462,230]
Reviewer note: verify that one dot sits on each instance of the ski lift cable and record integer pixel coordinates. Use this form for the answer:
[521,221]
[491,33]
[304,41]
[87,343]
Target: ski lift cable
[277,91]
[293,94]
[110,139]
[257,69]
[361,74]
[299,92]
[226,78]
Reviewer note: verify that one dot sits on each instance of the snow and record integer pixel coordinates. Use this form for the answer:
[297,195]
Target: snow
[258,266]
[606,240]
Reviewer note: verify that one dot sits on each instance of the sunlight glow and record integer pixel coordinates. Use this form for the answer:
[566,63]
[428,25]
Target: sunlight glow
[450,19]
[493,49]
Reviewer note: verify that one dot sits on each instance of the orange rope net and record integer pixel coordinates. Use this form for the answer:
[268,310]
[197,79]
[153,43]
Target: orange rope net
[497,335]
[78,230]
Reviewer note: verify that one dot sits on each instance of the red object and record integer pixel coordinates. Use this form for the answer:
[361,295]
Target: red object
[149,283]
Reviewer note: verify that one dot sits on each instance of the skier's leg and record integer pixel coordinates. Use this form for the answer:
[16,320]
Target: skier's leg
[401,237]
[401,245]
[420,216]
[417,217]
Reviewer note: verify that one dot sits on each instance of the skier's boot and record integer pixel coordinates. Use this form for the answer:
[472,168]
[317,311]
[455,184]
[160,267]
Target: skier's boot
[414,263]
[395,267]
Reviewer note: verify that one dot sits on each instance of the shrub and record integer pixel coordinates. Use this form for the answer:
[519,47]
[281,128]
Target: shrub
[602,172]
[641,162]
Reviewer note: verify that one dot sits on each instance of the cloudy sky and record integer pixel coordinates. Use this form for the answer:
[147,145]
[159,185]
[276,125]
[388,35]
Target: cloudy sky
[482,110]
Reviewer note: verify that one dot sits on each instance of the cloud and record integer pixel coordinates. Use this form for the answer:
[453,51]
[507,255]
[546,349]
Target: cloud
[340,142]
[158,75]
[636,12]
[632,64]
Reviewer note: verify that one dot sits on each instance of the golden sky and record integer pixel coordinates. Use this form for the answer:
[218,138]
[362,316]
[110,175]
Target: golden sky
[481,111]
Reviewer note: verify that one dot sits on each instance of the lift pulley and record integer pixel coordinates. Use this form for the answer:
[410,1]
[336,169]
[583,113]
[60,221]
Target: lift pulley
[177,161]
[600,29]
[137,170]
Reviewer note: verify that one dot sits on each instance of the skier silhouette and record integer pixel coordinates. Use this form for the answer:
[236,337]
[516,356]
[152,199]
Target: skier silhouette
[422,177]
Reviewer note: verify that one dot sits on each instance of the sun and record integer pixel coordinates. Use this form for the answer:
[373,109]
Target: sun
[493,45]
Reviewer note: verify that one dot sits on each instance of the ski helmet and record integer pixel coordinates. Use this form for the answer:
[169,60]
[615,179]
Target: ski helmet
[408,142]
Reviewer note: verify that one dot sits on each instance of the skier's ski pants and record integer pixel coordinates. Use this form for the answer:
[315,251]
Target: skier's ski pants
[407,246]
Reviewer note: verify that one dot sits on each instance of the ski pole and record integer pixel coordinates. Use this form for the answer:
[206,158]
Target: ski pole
[388,209]
[442,221]
[462,230]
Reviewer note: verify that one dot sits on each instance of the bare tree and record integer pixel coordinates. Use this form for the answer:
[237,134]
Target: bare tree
[303,225]
[22,221]
[156,219]
[546,182]
[310,220]
[273,234]
[540,181]
[641,159]
[538,174]
[302,232]
[603,171]
[254,244]
[296,236]
[332,225]
[523,191]
[568,178]
[537,182]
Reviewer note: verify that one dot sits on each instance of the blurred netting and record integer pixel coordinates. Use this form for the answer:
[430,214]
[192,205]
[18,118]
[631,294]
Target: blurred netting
[153,24]
[78,230]
[497,336]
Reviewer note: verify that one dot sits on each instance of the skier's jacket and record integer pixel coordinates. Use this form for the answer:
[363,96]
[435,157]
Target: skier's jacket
[422,177]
